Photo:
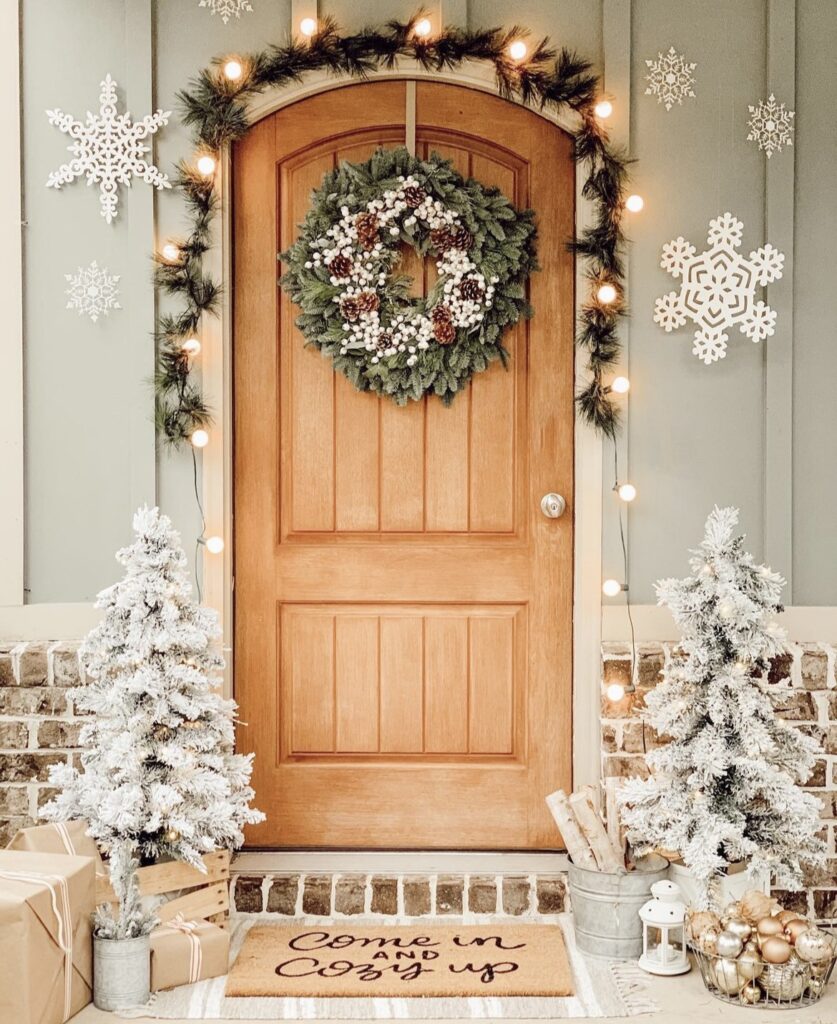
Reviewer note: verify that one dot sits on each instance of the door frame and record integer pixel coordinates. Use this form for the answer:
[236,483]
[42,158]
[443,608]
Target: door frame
[217,461]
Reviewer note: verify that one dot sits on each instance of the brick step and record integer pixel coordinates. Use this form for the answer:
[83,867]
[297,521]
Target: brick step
[348,895]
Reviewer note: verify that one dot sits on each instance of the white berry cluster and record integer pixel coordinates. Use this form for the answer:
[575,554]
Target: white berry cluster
[362,271]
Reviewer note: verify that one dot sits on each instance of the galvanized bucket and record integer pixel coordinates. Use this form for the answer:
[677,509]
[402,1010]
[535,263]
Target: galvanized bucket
[121,972]
[606,908]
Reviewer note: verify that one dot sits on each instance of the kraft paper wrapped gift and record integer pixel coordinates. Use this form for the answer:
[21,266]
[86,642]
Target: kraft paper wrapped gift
[46,945]
[68,837]
[183,952]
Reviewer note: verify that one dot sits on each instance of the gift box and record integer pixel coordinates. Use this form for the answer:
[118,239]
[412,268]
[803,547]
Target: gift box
[183,952]
[46,945]
[68,837]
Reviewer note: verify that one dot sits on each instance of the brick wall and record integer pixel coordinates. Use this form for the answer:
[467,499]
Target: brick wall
[37,726]
[804,687]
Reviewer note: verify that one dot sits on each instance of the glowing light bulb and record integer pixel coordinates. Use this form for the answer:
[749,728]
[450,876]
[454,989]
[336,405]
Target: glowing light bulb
[206,165]
[604,108]
[200,439]
[171,252]
[215,545]
[606,294]
[615,692]
[634,203]
[627,492]
[191,346]
[233,70]
[621,385]
[308,26]
[518,49]
[610,588]
[423,27]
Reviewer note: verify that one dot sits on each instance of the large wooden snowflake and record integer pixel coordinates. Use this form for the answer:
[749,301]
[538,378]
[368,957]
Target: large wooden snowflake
[108,149]
[670,78]
[718,288]
[226,8]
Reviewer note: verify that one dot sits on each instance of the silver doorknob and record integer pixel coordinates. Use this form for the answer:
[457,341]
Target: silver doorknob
[553,505]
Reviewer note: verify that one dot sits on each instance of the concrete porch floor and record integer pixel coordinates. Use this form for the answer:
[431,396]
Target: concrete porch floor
[682,1000]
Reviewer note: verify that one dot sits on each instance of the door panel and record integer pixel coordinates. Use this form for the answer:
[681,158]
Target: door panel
[403,610]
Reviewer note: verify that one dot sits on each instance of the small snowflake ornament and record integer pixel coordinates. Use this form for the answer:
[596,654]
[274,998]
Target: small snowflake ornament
[92,291]
[771,126]
[718,288]
[226,8]
[108,149]
[670,78]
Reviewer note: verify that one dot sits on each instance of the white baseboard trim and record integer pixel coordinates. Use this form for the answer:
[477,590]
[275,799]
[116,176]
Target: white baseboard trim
[803,624]
[380,862]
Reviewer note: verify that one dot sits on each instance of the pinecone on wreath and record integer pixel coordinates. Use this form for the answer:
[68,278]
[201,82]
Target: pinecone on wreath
[471,290]
[414,196]
[367,302]
[340,266]
[443,330]
[349,308]
[461,238]
[367,229]
[441,239]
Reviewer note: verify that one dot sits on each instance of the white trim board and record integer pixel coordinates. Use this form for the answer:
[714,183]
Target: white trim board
[396,862]
[651,623]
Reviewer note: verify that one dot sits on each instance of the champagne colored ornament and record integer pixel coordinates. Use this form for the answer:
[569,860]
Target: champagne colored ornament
[729,945]
[755,905]
[816,987]
[820,968]
[698,921]
[768,926]
[739,928]
[793,929]
[731,911]
[785,916]
[709,941]
[727,977]
[775,950]
[813,946]
[751,946]
[171,835]
[783,982]
[750,965]
[751,993]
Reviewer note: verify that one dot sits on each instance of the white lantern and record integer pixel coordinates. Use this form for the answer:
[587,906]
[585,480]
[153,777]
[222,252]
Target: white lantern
[664,931]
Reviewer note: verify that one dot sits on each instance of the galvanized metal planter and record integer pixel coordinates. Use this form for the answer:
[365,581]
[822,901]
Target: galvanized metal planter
[606,908]
[121,972]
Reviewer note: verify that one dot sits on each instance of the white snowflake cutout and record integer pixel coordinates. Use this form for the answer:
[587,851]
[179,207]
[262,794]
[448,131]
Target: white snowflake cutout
[92,291]
[670,78]
[771,125]
[718,287]
[108,149]
[226,8]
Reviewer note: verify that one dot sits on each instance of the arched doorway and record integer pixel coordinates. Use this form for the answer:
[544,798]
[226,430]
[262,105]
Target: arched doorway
[403,609]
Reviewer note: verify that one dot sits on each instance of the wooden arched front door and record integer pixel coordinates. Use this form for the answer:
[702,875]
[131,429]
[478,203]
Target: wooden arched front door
[403,608]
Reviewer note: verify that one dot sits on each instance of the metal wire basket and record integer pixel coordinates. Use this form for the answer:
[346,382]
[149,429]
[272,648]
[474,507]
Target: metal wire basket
[779,986]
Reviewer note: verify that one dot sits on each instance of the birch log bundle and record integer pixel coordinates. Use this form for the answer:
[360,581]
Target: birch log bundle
[589,842]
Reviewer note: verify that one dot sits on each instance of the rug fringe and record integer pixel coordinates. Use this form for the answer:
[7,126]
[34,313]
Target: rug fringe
[632,985]
[135,1012]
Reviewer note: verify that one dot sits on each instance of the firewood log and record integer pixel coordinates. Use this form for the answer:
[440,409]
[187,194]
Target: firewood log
[576,844]
[594,832]
[614,825]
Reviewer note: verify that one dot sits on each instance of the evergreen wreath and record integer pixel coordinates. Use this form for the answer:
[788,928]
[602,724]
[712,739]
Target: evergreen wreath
[216,108]
[353,310]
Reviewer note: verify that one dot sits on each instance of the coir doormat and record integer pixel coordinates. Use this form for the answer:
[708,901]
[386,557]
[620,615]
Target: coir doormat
[402,960]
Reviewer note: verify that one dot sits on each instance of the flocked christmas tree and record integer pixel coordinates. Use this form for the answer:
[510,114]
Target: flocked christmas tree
[725,789]
[159,773]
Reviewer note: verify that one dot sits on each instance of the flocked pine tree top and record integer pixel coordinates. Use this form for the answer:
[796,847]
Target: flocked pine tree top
[159,773]
[725,789]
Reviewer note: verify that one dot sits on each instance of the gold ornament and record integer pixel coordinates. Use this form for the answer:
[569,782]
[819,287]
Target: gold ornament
[729,945]
[196,724]
[171,835]
[813,946]
[751,993]
[793,929]
[755,905]
[739,928]
[698,921]
[783,981]
[775,950]
[768,926]
[751,946]
[708,941]
[816,987]
[750,964]
[788,915]
[727,977]
[732,911]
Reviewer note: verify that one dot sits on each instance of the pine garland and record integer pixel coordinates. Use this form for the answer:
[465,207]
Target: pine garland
[216,109]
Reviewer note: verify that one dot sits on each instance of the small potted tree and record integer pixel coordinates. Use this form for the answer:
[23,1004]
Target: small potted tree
[160,779]
[724,790]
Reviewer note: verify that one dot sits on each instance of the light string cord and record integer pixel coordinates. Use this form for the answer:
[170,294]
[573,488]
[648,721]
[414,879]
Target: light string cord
[200,539]
[624,545]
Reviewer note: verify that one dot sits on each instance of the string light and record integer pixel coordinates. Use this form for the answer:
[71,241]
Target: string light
[214,545]
[171,252]
[603,109]
[611,588]
[233,70]
[634,203]
[606,294]
[191,346]
[308,26]
[206,165]
[627,492]
[518,50]
[199,438]
[423,28]
[615,692]
[620,385]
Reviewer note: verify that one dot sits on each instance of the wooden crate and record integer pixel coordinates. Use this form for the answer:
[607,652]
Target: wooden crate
[202,896]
